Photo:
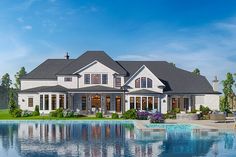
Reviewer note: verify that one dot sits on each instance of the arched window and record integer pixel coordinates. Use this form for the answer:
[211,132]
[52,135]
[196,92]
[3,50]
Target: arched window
[149,83]
[143,82]
[137,83]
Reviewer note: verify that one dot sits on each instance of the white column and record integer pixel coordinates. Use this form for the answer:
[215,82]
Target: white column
[152,102]
[65,101]
[58,99]
[50,101]
[189,103]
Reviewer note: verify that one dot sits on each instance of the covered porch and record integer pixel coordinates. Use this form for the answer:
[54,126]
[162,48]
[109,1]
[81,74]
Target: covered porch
[185,102]
[90,100]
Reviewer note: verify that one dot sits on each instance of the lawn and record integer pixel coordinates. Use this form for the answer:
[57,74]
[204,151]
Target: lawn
[4,115]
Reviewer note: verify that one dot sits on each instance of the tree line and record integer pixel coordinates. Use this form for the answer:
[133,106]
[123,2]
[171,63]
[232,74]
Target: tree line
[9,90]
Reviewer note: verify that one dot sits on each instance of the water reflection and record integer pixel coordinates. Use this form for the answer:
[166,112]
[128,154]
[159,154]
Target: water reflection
[108,139]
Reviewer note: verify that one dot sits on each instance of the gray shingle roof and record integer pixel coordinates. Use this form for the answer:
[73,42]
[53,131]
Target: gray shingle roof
[87,58]
[97,88]
[48,69]
[57,88]
[176,80]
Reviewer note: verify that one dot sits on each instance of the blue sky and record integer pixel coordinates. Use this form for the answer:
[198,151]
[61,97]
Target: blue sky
[197,33]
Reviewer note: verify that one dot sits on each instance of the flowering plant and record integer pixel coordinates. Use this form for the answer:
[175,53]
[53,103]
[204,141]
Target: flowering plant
[143,115]
[157,118]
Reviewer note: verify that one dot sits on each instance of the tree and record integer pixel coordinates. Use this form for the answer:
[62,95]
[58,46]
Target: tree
[196,71]
[18,76]
[227,90]
[12,103]
[6,81]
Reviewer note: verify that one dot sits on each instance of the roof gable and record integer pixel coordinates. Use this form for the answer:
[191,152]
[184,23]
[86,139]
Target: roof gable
[89,57]
[176,80]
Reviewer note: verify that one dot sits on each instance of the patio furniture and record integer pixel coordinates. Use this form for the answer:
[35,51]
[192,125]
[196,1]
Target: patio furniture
[217,116]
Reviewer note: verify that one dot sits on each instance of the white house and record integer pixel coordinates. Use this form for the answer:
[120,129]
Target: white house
[94,81]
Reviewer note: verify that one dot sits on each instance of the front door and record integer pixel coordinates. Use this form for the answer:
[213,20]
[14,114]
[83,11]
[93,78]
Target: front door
[96,101]
[118,104]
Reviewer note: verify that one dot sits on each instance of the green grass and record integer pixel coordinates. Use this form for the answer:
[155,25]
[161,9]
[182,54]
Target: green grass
[4,115]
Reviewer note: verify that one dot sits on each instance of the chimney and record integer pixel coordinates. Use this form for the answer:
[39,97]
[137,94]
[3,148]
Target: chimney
[215,84]
[67,56]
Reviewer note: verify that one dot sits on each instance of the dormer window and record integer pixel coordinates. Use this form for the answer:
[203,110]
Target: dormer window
[118,82]
[67,79]
[143,82]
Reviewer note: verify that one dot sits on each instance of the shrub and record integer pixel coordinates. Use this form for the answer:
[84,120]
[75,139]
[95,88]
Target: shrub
[36,111]
[68,113]
[26,113]
[204,110]
[130,114]
[176,110]
[99,115]
[17,112]
[157,118]
[12,103]
[53,114]
[115,116]
[143,115]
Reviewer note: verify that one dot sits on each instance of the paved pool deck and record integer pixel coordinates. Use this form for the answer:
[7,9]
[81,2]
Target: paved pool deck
[202,125]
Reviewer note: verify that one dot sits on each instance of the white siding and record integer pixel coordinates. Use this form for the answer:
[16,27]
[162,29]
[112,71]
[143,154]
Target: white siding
[210,100]
[146,73]
[23,101]
[72,84]
[164,104]
[26,84]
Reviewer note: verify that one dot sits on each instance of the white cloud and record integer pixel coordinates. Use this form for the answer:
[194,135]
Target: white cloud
[27,27]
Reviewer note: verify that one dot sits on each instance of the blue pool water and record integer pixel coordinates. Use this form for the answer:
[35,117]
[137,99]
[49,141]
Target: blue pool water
[173,127]
[107,139]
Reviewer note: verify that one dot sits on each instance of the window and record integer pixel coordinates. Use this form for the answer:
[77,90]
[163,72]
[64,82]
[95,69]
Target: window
[118,82]
[96,78]
[138,100]
[144,103]
[149,83]
[67,79]
[86,78]
[137,83]
[150,105]
[41,102]
[54,102]
[83,102]
[143,82]
[61,101]
[131,102]
[30,102]
[46,102]
[108,103]
[155,102]
[104,78]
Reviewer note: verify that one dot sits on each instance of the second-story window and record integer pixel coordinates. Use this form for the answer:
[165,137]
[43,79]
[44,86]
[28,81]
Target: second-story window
[137,83]
[143,82]
[118,82]
[96,78]
[67,79]
[104,78]
[86,78]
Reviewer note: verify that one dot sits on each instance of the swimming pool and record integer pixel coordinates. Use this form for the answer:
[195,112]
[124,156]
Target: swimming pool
[105,138]
[173,127]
